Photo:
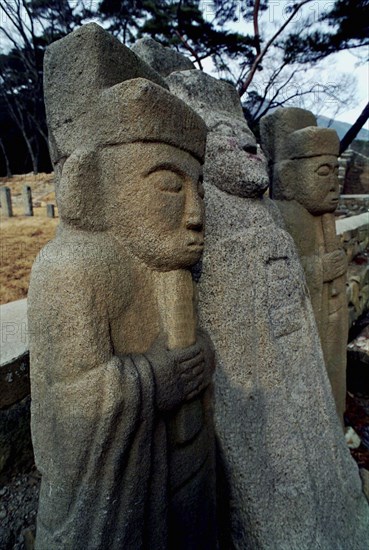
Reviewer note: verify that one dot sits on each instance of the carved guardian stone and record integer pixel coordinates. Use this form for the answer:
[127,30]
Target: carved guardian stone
[121,376]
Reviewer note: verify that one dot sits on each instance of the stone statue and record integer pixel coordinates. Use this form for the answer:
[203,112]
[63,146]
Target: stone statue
[162,59]
[286,479]
[121,394]
[304,174]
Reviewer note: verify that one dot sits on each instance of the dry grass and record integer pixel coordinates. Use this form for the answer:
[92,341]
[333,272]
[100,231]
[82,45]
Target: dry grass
[22,237]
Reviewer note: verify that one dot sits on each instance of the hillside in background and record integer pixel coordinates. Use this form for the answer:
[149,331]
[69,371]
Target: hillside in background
[341,127]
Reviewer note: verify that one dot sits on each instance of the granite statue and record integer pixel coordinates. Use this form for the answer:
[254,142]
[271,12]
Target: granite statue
[304,175]
[286,479]
[120,373]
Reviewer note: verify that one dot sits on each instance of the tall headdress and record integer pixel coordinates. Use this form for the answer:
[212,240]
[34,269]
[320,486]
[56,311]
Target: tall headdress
[218,103]
[291,134]
[163,60]
[211,98]
[99,93]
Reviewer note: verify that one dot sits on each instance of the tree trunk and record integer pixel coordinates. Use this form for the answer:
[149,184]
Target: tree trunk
[349,137]
[7,165]
[34,163]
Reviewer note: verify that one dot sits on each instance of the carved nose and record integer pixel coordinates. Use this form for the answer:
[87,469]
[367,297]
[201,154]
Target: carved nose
[194,210]
[194,223]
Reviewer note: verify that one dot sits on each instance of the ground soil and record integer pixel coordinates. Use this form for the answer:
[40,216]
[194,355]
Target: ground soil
[19,489]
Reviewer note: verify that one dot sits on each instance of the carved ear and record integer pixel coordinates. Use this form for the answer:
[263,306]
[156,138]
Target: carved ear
[79,194]
[284,180]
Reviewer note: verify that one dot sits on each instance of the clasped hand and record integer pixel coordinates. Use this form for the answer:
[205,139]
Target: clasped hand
[334,265]
[181,374]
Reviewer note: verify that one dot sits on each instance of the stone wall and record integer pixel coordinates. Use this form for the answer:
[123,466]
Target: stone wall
[352,205]
[354,172]
[15,438]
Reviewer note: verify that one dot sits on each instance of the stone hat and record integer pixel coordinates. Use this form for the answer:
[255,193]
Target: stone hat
[208,96]
[212,99]
[98,92]
[292,133]
[310,142]
[163,60]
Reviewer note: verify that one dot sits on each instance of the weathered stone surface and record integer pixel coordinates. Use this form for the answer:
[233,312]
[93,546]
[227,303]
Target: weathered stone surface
[27,200]
[6,202]
[357,288]
[221,109]
[14,356]
[278,488]
[50,211]
[303,168]
[364,474]
[121,395]
[98,73]
[354,235]
[163,60]
[14,331]
[356,178]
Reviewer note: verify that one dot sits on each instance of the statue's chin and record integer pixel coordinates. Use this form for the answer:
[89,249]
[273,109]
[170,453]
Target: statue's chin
[186,260]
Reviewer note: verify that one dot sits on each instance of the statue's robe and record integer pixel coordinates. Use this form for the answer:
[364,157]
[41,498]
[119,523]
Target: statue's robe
[286,478]
[314,237]
[110,476]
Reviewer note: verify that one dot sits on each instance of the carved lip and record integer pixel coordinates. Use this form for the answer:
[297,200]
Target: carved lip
[196,244]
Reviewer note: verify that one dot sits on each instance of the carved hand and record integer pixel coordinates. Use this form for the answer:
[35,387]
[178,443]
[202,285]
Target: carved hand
[180,374]
[334,265]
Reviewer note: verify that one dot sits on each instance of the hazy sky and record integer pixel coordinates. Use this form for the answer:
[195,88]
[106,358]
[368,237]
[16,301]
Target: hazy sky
[335,65]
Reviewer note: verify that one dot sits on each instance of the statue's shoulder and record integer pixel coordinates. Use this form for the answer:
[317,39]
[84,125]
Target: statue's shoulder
[76,259]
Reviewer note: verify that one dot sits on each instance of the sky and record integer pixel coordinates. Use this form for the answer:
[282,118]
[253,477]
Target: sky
[334,67]
[347,62]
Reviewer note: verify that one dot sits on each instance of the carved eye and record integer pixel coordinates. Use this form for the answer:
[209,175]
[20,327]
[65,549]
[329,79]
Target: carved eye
[323,170]
[168,181]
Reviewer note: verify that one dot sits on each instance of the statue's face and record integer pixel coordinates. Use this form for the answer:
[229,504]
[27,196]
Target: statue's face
[233,161]
[156,207]
[315,184]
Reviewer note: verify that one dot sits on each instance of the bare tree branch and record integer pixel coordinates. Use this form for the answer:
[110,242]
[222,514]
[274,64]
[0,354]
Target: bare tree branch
[7,165]
[256,27]
[258,59]
[189,48]
[349,137]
